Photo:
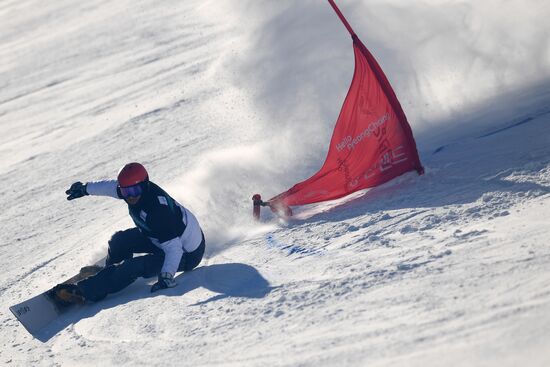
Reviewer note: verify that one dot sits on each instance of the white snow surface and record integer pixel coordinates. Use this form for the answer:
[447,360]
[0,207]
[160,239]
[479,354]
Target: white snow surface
[223,99]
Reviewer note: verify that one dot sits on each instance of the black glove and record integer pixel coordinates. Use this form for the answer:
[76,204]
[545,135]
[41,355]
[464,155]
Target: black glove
[77,190]
[165,280]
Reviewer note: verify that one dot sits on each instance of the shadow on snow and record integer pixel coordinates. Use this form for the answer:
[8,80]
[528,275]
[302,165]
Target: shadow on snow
[227,280]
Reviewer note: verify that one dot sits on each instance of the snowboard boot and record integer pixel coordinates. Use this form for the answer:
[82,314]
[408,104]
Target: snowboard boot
[90,270]
[68,294]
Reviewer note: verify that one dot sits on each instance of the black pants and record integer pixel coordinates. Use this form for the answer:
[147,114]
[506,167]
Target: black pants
[122,268]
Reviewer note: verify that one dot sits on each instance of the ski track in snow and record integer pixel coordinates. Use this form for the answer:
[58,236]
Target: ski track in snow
[450,268]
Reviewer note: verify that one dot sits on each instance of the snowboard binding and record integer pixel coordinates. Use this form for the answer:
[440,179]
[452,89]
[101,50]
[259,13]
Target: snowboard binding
[67,294]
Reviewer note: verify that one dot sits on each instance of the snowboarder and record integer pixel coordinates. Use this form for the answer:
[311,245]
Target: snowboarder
[167,232]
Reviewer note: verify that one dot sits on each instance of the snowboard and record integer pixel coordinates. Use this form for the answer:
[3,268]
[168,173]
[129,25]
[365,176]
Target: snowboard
[39,311]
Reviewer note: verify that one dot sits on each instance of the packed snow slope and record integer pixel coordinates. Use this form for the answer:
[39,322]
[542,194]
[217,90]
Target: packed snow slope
[222,99]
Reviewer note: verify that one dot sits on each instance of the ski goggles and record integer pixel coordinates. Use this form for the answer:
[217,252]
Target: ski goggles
[131,191]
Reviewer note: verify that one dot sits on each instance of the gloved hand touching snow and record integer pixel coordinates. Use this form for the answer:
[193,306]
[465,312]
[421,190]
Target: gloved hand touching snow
[165,280]
[77,190]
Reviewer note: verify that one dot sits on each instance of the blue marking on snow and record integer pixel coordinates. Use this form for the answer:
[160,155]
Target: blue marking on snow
[439,149]
[512,125]
[524,121]
[292,249]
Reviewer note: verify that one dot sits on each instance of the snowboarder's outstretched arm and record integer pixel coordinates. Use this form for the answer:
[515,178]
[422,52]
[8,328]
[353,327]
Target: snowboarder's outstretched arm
[96,188]
[77,190]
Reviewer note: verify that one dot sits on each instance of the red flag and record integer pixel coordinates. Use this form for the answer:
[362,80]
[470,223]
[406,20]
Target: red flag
[372,141]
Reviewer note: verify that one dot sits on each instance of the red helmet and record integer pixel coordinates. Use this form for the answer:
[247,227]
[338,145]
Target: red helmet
[132,174]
